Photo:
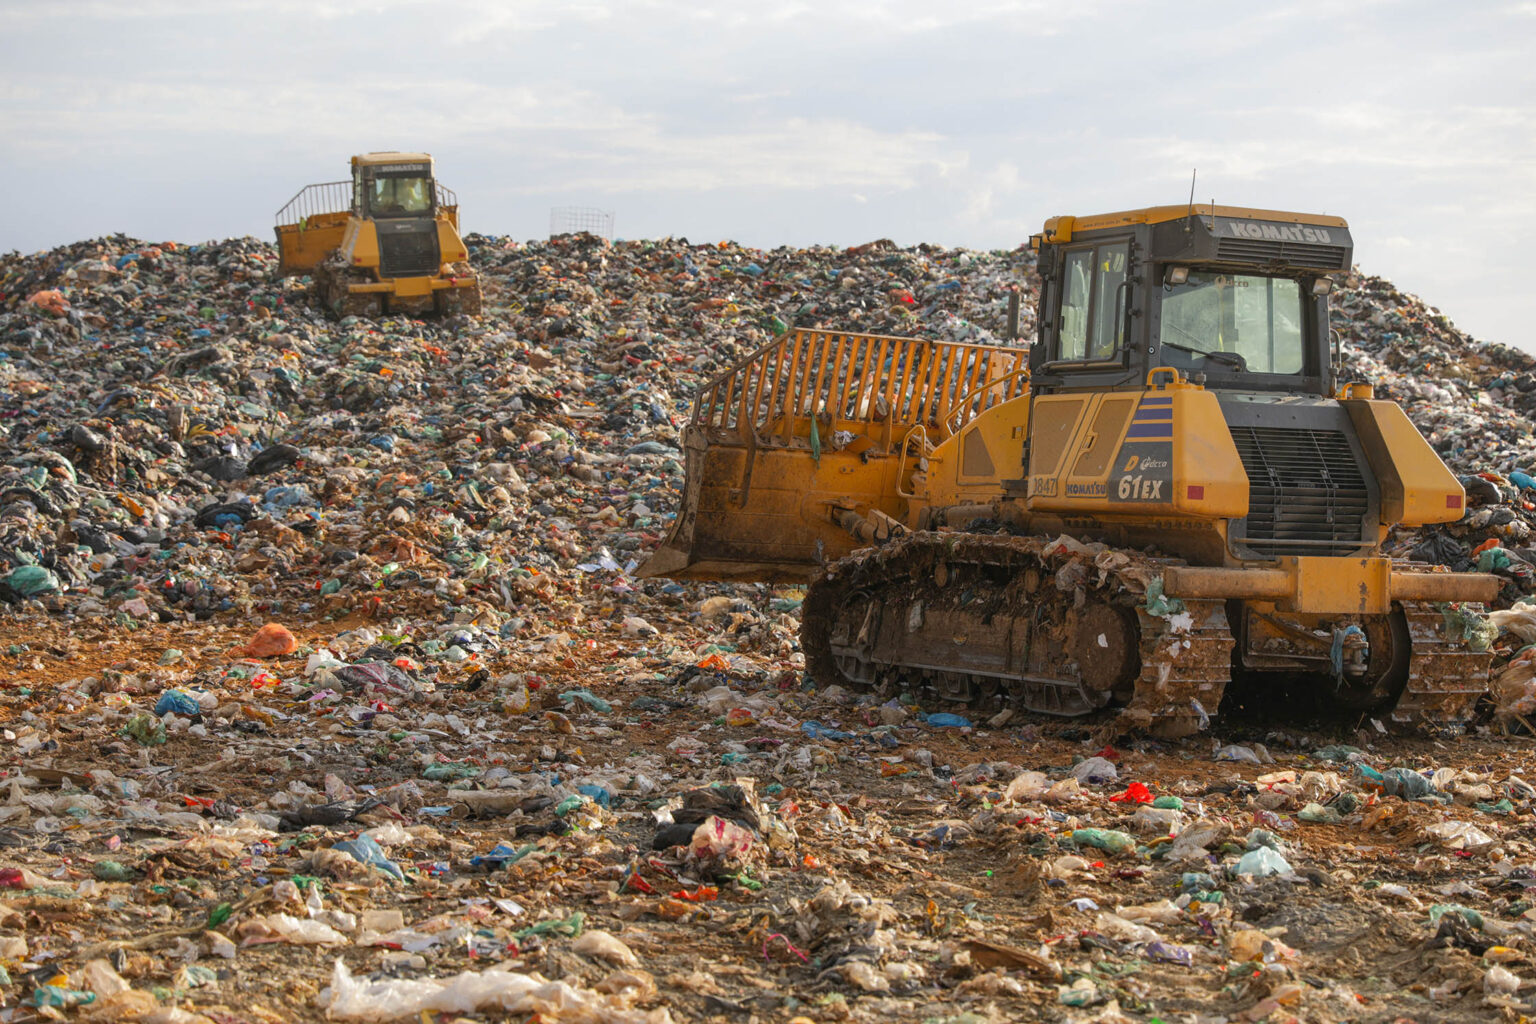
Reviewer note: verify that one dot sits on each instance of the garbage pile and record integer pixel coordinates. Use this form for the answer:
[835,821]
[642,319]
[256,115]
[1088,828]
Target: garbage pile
[329,693]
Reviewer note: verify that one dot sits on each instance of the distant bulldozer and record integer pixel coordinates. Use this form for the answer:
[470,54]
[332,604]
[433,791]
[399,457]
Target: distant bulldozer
[385,242]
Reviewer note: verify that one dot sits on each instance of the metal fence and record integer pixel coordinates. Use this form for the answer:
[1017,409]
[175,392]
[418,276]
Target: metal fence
[312,200]
[568,220]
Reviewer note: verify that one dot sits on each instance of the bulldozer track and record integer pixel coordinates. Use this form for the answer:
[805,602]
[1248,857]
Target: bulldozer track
[1445,678]
[331,278]
[1058,628]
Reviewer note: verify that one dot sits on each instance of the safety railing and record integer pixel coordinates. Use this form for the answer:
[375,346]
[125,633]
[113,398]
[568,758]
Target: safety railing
[313,200]
[857,382]
[446,197]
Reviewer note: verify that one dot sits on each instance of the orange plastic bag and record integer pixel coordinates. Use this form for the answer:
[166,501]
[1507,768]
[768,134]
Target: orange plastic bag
[50,301]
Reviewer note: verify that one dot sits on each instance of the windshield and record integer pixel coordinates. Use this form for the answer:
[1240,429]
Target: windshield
[400,197]
[1238,321]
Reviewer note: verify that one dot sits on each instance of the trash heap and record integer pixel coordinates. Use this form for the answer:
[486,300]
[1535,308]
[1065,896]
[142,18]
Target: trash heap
[329,693]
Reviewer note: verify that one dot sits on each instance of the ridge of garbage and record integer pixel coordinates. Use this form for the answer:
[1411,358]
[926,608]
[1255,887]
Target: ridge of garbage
[328,693]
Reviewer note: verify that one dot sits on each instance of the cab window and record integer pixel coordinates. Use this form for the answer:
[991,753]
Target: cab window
[1093,302]
[1074,305]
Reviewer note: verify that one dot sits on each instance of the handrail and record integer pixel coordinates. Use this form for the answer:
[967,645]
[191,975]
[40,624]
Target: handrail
[314,200]
[1021,374]
[901,465]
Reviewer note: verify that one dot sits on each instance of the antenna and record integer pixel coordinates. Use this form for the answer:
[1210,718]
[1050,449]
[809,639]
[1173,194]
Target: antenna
[1192,172]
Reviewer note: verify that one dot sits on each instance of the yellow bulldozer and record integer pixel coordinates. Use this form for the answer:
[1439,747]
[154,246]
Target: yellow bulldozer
[1168,491]
[385,242]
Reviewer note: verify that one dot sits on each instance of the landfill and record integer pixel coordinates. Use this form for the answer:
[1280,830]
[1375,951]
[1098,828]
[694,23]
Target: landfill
[329,691]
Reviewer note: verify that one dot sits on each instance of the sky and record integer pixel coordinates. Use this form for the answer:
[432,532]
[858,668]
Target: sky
[787,123]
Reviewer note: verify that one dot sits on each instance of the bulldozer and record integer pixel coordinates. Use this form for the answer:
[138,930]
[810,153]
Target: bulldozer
[1169,492]
[386,241]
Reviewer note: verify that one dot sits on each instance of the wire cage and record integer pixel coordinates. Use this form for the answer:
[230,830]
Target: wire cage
[568,220]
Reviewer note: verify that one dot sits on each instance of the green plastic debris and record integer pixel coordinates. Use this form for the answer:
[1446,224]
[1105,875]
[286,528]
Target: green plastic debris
[32,580]
[1468,626]
[1439,910]
[146,728]
[588,698]
[568,805]
[1168,803]
[196,975]
[112,871]
[570,927]
[1494,559]
[745,880]
[1317,814]
[1082,992]
[1502,807]
[1159,605]
[449,771]
[219,914]
[1105,839]
[53,995]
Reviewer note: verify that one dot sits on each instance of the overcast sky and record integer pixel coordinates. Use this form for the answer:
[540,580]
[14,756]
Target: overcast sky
[771,122]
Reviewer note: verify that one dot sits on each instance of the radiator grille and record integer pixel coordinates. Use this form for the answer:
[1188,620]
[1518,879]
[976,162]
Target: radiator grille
[407,253]
[1266,251]
[1306,493]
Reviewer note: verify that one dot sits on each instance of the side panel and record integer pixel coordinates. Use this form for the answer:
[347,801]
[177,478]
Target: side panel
[449,244]
[978,464]
[361,244]
[1054,424]
[1136,454]
[303,245]
[1416,488]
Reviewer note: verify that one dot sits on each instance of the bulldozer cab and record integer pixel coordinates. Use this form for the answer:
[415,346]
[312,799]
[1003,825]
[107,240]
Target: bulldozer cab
[393,185]
[1231,297]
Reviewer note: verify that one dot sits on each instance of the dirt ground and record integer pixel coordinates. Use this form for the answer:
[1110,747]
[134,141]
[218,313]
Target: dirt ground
[899,882]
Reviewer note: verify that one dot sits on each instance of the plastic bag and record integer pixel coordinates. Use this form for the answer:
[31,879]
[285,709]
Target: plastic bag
[1105,839]
[605,946]
[1135,793]
[178,701]
[1261,863]
[1095,770]
[1403,782]
[500,988]
[365,850]
[1117,927]
[1459,835]
[1157,604]
[717,838]
[1159,820]
[286,928]
[1469,627]
[32,581]
[1027,786]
